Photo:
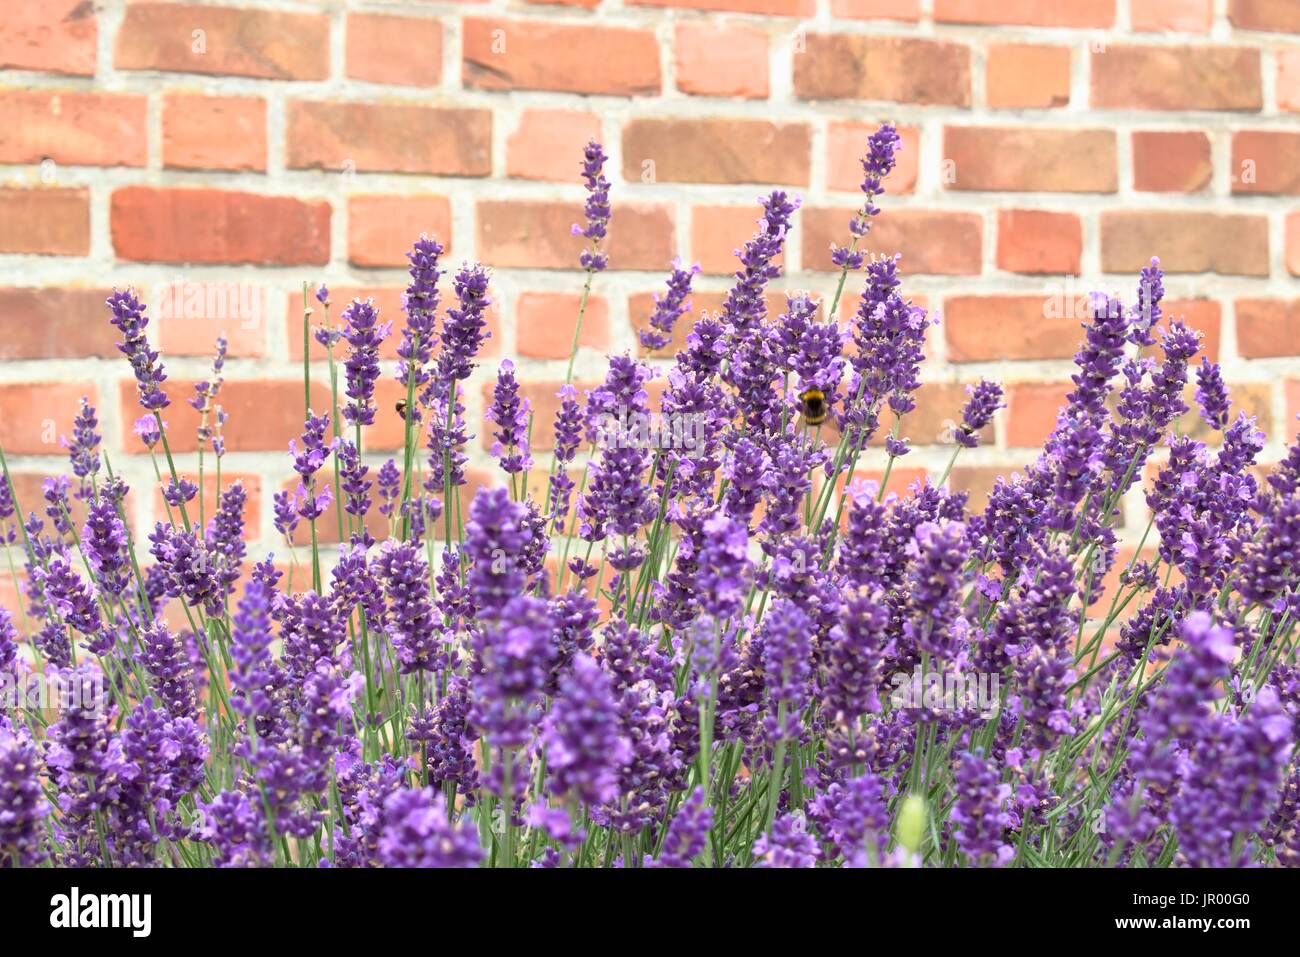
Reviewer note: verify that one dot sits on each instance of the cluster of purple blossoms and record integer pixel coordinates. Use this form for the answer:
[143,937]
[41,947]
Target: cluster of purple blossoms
[129,317]
[364,333]
[597,209]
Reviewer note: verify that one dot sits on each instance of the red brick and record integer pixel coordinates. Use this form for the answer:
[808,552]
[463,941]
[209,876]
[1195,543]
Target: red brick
[191,314]
[268,44]
[998,328]
[1176,78]
[389,138]
[1034,13]
[1281,16]
[718,231]
[1171,162]
[932,242]
[1031,411]
[846,142]
[264,414]
[1030,159]
[775,8]
[1268,328]
[1037,241]
[533,55]
[214,132]
[48,222]
[406,51]
[717,59]
[1266,161]
[938,409]
[1288,79]
[537,234]
[1293,243]
[548,144]
[1204,316]
[1027,76]
[211,492]
[75,129]
[34,415]
[909,10]
[1229,243]
[55,323]
[716,151]
[216,226]
[841,66]
[977,481]
[382,229]
[57,36]
[1181,16]
[544,323]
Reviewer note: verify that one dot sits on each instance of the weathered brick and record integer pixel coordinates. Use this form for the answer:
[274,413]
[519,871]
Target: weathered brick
[846,142]
[35,415]
[1288,79]
[533,55]
[1201,315]
[1038,241]
[389,138]
[72,128]
[544,324]
[1027,76]
[1031,411]
[55,323]
[716,151]
[1182,16]
[382,229]
[718,231]
[1176,78]
[937,242]
[211,493]
[48,222]
[1293,243]
[1266,161]
[218,226]
[1171,161]
[721,59]
[1281,16]
[1268,328]
[1030,159]
[1230,243]
[190,314]
[526,234]
[909,10]
[214,132]
[194,38]
[548,144]
[842,66]
[1001,327]
[776,8]
[1034,13]
[56,36]
[405,51]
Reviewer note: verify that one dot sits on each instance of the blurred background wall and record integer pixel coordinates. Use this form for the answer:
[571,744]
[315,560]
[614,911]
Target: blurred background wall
[218,156]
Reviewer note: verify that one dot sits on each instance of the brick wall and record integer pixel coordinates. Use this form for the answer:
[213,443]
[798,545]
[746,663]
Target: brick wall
[216,156]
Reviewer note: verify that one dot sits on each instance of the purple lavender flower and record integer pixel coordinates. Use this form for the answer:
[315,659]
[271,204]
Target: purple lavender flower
[104,540]
[83,449]
[933,589]
[878,162]
[420,301]
[364,333]
[417,833]
[787,665]
[569,423]
[744,306]
[189,568]
[669,307]
[980,813]
[205,397]
[233,826]
[511,415]
[165,659]
[581,736]
[496,537]
[285,514]
[788,844]
[687,833]
[597,210]
[413,626]
[147,431]
[463,329]
[985,399]
[724,567]
[1212,394]
[130,319]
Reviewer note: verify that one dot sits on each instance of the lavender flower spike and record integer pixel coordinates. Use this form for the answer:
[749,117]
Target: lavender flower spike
[130,319]
[597,210]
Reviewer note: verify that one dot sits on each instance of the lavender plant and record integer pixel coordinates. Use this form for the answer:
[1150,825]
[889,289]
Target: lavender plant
[715,647]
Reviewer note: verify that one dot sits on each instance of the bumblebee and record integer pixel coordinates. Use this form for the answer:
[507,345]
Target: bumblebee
[815,409]
[401,408]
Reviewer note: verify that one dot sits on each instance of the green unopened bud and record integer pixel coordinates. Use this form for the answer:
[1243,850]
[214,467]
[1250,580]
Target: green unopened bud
[910,826]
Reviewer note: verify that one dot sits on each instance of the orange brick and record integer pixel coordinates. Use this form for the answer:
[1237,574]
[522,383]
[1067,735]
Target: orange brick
[548,144]
[1031,411]
[998,328]
[1176,78]
[1229,243]
[1293,243]
[1266,161]
[1037,241]
[49,222]
[1204,316]
[718,231]
[59,36]
[1035,13]
[544,323]
[1278,16]
[716,151]
[159,225]
[389,138]
[34,415]
[405,51]
[195,38]
[55,323]
[526,234]
[846,143]
[841,66]
[214,132]
[72,128]
[1014,159]
[716,59]
[774,8]
[191,314]
[534,55]
[1171,162]
[1027,76]
[382,229]
[934,242]
[1268,327]
[1288,79]
[211,493]
[909,10]
[1181,16]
